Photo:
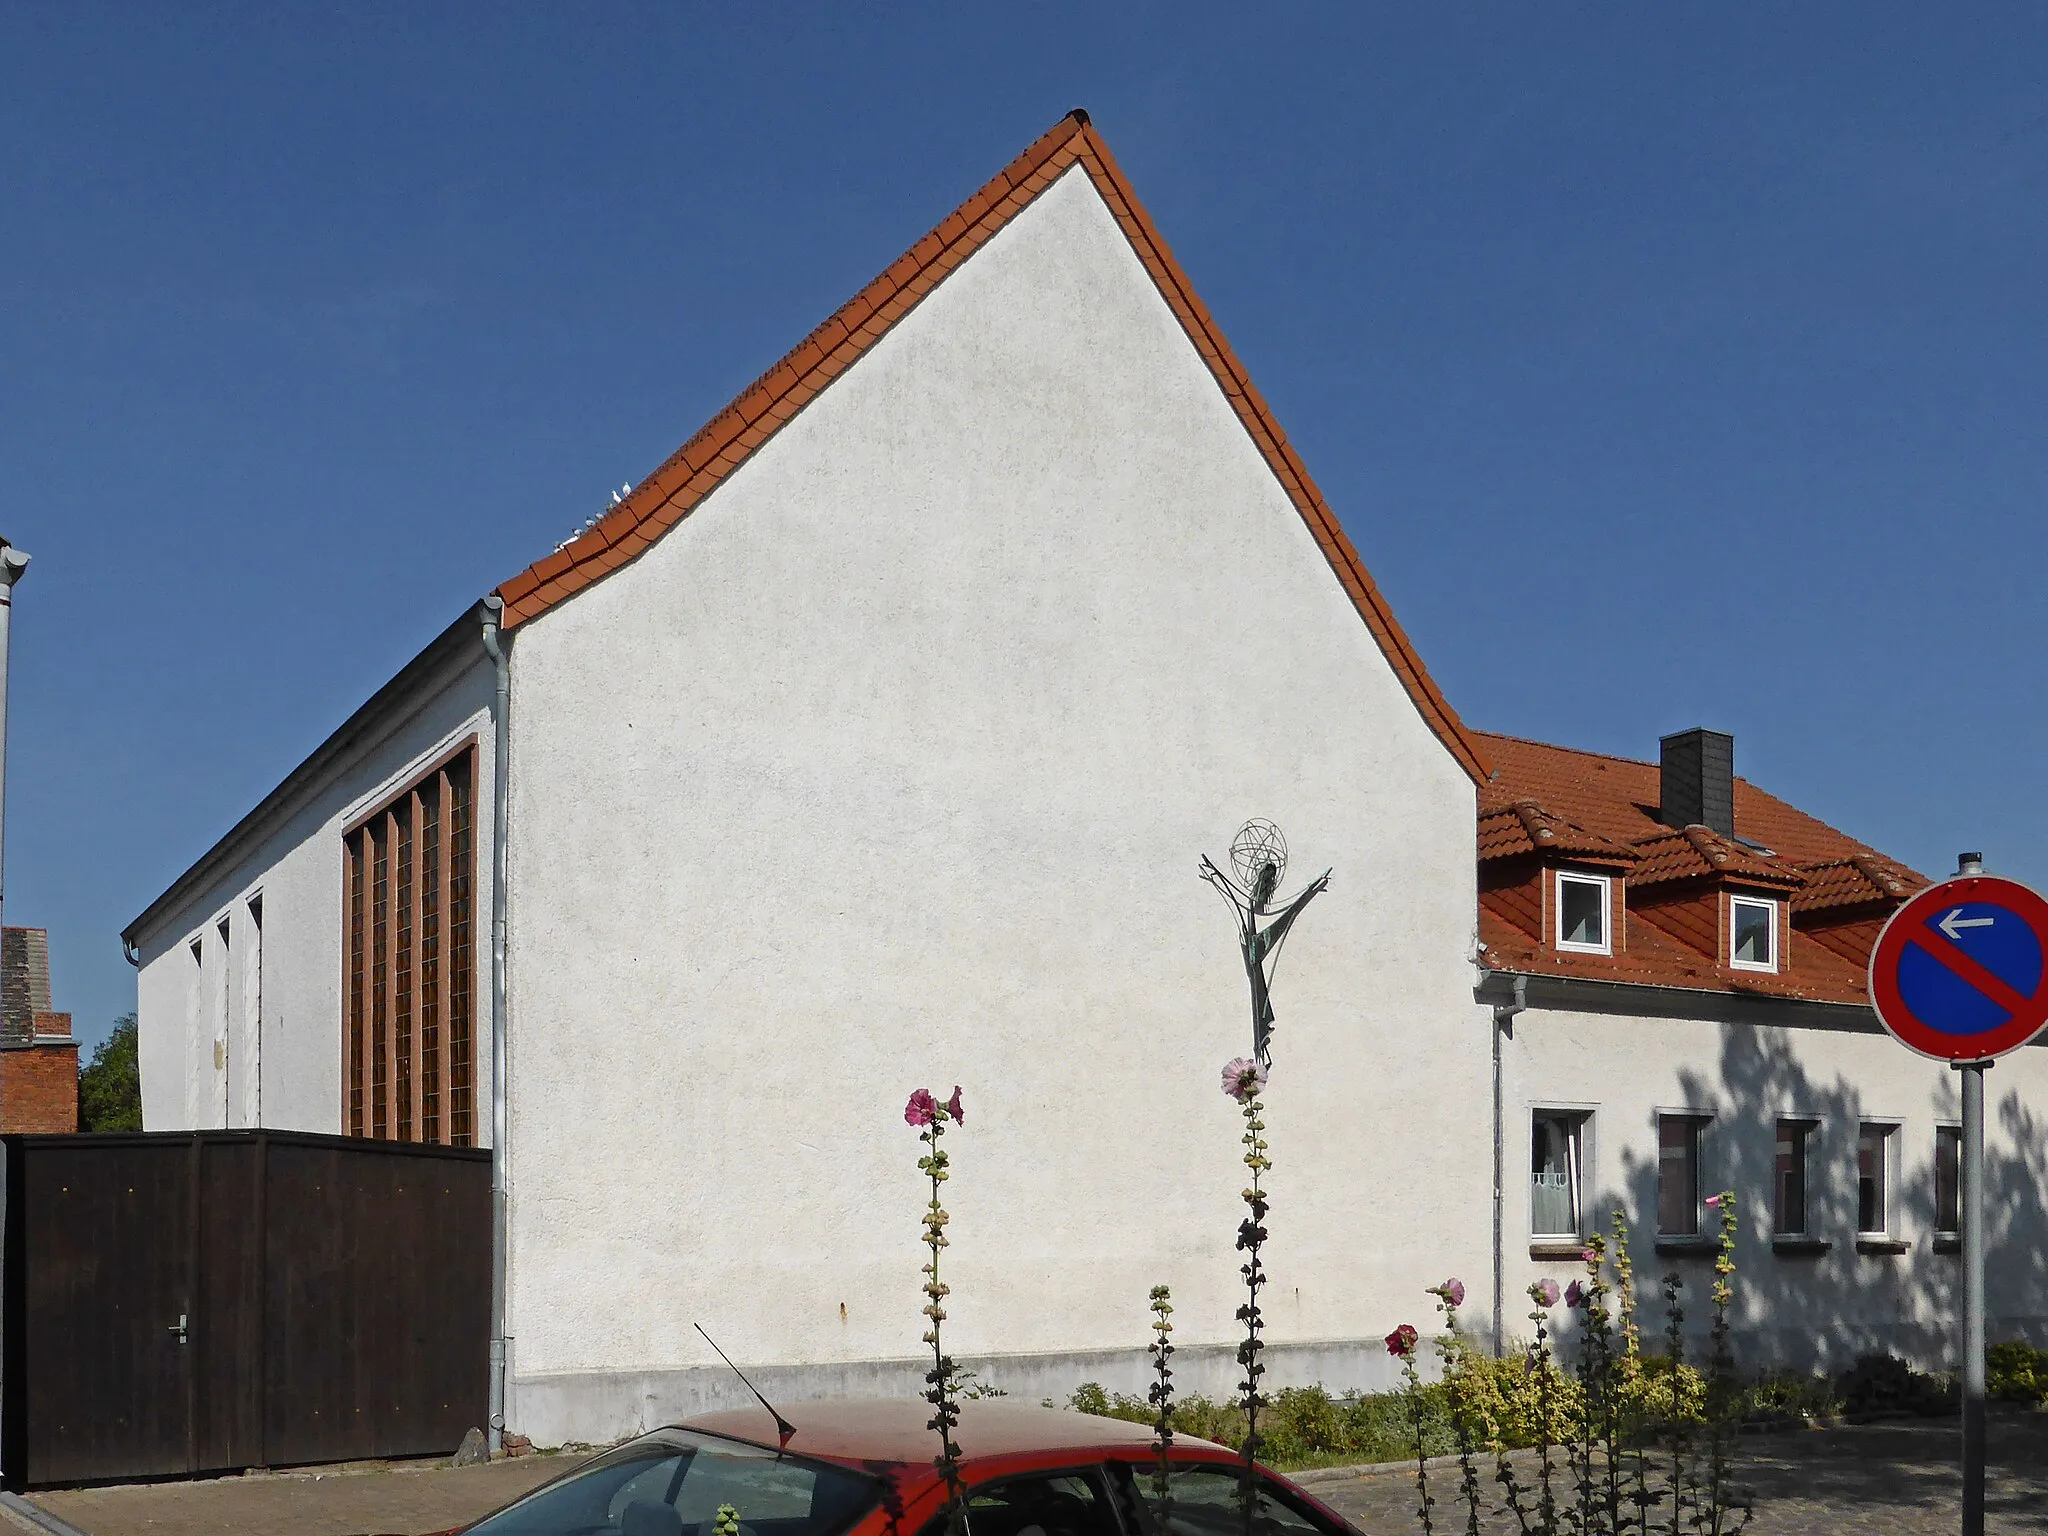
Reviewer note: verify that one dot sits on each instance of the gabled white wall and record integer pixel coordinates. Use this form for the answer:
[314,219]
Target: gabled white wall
[891,766]
[185,1010]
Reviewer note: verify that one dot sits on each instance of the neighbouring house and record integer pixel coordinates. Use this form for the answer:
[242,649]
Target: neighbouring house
[1678,966]
[872,743]
[38,1056]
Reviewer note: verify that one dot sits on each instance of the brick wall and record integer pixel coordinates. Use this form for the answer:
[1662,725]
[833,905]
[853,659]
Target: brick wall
[39,1088]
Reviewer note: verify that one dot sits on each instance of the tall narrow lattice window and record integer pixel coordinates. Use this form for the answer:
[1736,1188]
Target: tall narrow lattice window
[407,937]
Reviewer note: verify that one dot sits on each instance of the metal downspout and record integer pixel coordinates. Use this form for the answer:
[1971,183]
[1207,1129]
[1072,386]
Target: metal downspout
[1503,1026]
[501,701]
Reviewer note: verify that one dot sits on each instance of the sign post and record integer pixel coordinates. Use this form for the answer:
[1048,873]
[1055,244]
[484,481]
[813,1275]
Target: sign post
[1973,1296]
[1960,974]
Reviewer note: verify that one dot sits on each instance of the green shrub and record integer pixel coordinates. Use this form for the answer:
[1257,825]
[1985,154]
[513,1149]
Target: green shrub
[1091,1397]
[1506,1401]
[2016,1373]
[1303,1426]
[1776,1396]
[1880,1385]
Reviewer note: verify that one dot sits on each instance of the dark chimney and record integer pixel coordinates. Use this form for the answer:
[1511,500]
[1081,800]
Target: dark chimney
[1697,780]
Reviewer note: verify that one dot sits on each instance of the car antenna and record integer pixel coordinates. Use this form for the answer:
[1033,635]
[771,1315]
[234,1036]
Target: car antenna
[783,1428]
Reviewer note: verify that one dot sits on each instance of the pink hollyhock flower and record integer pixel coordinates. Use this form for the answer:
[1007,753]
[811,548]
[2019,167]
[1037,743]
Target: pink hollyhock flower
[953,1107]
[1401,1342]
[922,1108]
[1453,1291]
[1544,1293]
[1243,1078]
[1713,1202]
[1575,1295]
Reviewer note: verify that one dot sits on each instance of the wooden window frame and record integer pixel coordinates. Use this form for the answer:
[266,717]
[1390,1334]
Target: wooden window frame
[408,957]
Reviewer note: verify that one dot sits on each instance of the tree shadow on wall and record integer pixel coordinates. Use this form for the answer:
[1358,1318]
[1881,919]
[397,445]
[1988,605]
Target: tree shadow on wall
[1825,1309]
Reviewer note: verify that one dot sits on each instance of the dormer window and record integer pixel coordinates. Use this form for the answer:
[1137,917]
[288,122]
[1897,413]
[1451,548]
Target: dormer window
[1584,908]
[1753,933]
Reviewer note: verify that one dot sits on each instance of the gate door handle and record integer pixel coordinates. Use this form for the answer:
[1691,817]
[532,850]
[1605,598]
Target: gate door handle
[179,1329]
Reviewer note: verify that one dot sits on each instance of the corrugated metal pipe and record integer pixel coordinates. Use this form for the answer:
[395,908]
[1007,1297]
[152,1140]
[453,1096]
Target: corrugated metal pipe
[501,707]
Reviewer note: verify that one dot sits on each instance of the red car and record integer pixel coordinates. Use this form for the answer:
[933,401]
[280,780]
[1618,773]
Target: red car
[865,1469]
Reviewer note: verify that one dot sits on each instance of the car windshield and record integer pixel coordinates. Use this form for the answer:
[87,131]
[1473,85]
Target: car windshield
[671,1483]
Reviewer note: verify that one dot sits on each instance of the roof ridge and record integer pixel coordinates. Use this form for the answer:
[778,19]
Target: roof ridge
[1552,746]
[725,442]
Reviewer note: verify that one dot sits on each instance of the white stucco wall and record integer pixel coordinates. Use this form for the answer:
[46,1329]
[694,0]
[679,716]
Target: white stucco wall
[891,766]
[1802,1309]
[205,1058]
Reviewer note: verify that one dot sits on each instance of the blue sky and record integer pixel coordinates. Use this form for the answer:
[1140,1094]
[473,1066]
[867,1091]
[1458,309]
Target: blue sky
[1669,366]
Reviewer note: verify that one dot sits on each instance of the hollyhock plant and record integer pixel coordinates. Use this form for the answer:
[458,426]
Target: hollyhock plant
[1575,1295]
[932,1117]
[1244,1079]
[1401,1342]
[1544,1292]
[1454,1353]
[1161,1394]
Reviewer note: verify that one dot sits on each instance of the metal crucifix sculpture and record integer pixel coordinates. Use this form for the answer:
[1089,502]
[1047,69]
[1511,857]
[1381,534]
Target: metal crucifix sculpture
[1259,856]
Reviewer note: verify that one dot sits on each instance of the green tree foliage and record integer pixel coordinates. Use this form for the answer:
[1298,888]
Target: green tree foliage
[110,1085]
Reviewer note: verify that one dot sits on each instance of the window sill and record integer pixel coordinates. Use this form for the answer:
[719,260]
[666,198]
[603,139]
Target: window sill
[1948,1242]
[1701,1245]
[1799,1246]
[1570,1248]
[1877,1242]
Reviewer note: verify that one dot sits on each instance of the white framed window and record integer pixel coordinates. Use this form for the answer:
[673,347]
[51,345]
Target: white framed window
[1789,1186]
[1752,933]
[1948,1180]
[1678,1173]
[1557,1164]
[1876,1149]
[1585,913]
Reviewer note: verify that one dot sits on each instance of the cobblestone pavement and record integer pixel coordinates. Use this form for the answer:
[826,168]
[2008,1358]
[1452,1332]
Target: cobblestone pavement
[402,1498]
[1901,1480]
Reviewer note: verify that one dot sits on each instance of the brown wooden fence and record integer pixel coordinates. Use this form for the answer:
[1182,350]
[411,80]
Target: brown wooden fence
[178,1302]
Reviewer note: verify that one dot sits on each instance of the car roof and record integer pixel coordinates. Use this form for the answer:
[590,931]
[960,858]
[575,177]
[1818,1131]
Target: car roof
[899,1429]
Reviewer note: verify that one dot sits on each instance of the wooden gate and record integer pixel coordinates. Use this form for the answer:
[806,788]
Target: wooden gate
[200,1302]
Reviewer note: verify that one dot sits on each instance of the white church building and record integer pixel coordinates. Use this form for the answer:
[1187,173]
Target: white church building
[873,742]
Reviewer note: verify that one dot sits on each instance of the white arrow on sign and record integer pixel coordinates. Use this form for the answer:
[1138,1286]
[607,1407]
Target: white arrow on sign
[1955,920]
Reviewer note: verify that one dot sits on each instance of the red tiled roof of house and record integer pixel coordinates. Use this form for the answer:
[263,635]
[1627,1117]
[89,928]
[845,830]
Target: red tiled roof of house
[1617,798]
[1819,868]
[1655,959]
[1689,853]
[1859,880]
[669,494]
[1526,827]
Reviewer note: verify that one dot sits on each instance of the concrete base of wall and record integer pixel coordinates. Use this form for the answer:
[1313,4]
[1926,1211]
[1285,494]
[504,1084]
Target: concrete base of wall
[1926,1347]
[599,1407]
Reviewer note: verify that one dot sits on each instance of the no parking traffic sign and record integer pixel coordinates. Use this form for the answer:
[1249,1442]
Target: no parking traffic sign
[1958,972]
